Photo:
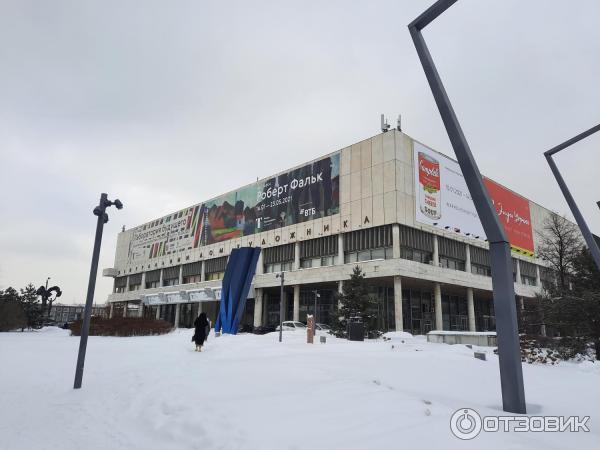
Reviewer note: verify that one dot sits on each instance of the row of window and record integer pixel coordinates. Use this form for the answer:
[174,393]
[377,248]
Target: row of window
[412,254]
[278,267]
[307,263]
[452,263]
[368,255]
[481,270]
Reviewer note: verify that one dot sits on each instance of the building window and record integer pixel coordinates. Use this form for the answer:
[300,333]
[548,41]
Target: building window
[215,276]
[171,282]
[152,284]
[192,279]
[278,267]
[368,255]
[451,263]
[134,287]
[416,255]
[481,270]
[119,289]
[529,281]
[307,263]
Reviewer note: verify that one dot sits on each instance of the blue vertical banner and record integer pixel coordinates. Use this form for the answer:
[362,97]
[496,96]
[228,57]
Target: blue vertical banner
[236,284]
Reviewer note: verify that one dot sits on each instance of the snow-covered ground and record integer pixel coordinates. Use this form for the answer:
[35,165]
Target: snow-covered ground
[251,392]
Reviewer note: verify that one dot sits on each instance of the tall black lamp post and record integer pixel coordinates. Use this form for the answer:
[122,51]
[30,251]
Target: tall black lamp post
[100,212]
[509,353]
[585,231]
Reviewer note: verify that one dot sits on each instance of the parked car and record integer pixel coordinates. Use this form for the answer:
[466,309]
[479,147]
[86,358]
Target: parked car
[291,325]
[264,329]
[322,327]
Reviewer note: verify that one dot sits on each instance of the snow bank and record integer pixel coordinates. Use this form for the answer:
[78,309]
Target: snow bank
[252,392]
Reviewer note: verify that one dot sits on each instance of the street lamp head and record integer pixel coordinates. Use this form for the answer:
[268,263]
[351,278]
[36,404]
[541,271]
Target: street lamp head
[598,203]
[118,204]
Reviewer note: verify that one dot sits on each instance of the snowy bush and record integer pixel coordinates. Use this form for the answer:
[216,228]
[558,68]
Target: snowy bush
[546,350]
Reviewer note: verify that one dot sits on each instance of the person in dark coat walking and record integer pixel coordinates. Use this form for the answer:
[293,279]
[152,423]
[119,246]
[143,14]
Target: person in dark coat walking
[201,331]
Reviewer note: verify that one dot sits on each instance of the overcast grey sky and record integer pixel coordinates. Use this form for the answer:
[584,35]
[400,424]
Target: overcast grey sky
[168,103]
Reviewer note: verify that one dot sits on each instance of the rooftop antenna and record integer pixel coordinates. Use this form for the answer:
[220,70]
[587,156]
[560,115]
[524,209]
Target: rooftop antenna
[123,229]
[384,125]
[399,123]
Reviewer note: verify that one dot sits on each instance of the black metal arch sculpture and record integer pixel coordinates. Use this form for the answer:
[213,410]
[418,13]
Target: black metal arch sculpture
[47,299]
[585,231]
[509,353]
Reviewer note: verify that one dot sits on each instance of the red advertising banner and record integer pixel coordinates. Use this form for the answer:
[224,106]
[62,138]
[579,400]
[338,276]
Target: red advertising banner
[514,214]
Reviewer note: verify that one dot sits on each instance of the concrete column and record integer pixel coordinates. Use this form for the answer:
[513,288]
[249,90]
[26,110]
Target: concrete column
[297,256]
[436,252]
[157,312]
[141,310]
[160,281]
[258,307]
[471,309]
[396,241]
[127,284]
[203,272]
[398,303]
[125,309]
[518,271]
[297,302]
[437,292]
[143,285]
[112,310]
[181,274]
[538,277]
[177,309]
[467,258]
[260,268]
[340,249]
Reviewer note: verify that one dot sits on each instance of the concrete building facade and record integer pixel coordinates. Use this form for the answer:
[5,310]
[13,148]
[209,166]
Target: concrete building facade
[414,237]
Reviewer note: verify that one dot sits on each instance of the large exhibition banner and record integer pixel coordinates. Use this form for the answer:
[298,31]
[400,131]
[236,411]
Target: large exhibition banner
[514,214]
[442,199]
[307,193]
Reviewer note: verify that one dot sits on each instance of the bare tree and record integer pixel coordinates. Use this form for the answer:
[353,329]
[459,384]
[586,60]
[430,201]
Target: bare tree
[560,245]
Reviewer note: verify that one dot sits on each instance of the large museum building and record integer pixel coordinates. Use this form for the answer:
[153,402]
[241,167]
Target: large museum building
[388,204]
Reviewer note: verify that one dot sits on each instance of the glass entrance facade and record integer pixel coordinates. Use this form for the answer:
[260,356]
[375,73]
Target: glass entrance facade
[418,313]
[454,313]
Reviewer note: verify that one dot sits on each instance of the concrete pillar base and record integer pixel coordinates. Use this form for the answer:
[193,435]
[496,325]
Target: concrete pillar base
[439,321]
[177,312]
[398,304]
[258,307]
[297,302]
[471,309]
